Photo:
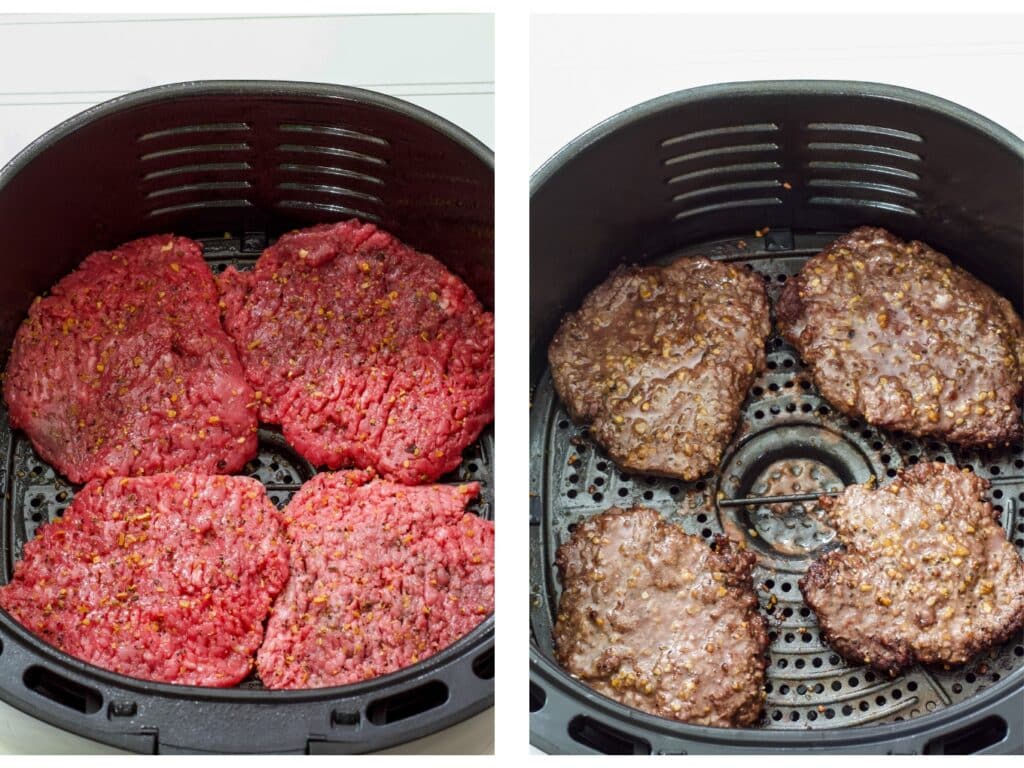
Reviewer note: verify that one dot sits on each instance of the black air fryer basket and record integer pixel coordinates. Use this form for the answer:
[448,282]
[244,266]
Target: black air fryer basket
[234,165]
[764,174]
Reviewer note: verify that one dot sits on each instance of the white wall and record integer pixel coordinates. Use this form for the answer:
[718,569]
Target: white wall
[586,68]
[52,67]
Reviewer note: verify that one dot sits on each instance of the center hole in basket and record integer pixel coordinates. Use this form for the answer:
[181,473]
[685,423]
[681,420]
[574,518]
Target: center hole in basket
[786,460]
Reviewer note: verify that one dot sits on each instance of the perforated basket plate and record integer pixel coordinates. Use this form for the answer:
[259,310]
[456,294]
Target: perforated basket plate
[789,440]
[33,493]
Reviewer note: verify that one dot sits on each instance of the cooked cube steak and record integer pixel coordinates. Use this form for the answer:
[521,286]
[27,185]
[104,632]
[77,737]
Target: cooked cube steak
[382,576]
[124,368]
[927,574]
[654,618]
[166,578]
[368,353]
[659,360]
[893,331]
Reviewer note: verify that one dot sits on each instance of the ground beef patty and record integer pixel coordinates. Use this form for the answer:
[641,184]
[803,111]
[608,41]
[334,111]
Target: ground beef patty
[165,578]
[382,576]
[893,331]
[367,353]
[124,368]
[927,574]
[654,618]
[659,361]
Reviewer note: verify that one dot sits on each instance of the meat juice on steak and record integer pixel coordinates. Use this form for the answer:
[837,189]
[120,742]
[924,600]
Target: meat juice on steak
[654,618]
[927,574]
[659,360]
[893,331]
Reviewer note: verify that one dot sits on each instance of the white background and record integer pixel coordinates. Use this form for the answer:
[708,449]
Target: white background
[54,66]
[584,69]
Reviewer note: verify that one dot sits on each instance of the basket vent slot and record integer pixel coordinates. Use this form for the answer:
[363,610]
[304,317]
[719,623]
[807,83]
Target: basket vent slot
[185,130]
[734,187]
[402,706]
[348,154]
[711,133]
[875,130]
[605,739]
[204,186]
[537,697]
[333,130]
[874,149]
[328,189]
[851,202]
[195,149]
[200,204]
[868,187]
[733,149]
[725,170]
[970,739]
[179,170]
[715,208]
[63,691]
[864,168]
[483,665]
[329,170]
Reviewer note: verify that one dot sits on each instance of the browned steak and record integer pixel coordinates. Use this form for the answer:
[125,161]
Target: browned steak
[927,574]
[659,361]
[654,618]
[893,331]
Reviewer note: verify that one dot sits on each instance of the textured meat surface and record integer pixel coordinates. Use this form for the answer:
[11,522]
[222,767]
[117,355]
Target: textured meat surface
[654,618]
[368,353]
[927,574]
[124,368]
[166,578]
[382,576]
[659,361]
[893,331]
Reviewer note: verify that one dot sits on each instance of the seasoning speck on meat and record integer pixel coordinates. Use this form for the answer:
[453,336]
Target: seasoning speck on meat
[367,353]
[927,574]
[652,617]
[382,576]
[659,361]
[893,331]
[124,368]
[166,578]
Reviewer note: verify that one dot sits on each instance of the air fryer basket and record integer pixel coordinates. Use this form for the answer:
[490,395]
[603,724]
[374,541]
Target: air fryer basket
[764,174]
[235,164]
